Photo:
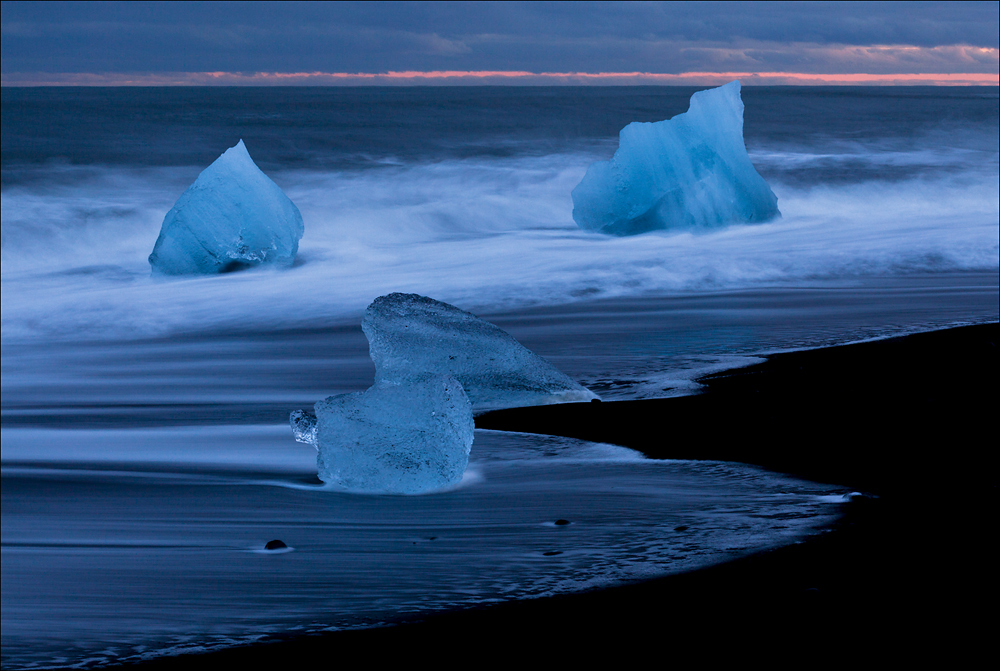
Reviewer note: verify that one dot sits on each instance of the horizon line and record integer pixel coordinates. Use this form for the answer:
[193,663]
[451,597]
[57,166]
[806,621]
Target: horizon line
[487,77]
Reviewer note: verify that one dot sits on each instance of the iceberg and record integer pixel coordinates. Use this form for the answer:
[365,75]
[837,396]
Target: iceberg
[232,217]
[412,430]
[409,334]
[691,171]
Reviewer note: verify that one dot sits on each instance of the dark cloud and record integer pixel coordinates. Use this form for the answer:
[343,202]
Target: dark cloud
[538,37]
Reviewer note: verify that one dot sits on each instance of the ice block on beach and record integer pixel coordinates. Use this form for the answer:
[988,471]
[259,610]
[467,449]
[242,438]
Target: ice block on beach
[691,171]
[409,335]
[395,438]
[412,430]
[232,217]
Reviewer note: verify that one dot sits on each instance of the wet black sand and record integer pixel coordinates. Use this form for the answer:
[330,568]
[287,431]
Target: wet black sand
[908,573]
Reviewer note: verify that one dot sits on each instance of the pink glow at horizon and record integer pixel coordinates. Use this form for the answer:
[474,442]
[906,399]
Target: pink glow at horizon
[494,77]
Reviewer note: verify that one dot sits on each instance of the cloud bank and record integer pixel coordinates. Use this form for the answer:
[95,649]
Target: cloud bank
[323,43]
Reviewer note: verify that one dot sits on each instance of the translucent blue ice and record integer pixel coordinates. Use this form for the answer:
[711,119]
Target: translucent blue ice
[232,217]
[686,172]
[412,430]
[409,334]
[394,438]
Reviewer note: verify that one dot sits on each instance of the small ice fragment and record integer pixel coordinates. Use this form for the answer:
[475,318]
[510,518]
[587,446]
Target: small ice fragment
[689,171]
[396,438]
[409,335]
[232,217]
[304,427]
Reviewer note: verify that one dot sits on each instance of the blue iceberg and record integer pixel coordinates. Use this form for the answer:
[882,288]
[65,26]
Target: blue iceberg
[409,334]
[691,171]
[435,365]
[232,217]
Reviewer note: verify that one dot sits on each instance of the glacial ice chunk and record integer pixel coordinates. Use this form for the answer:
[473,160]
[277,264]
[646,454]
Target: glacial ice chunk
[689,171]
[394,438]
[409,335]
[232,217]
[412,430]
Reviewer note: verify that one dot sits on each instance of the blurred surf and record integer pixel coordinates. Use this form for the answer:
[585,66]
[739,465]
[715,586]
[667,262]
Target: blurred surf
[482,231]
[145,437]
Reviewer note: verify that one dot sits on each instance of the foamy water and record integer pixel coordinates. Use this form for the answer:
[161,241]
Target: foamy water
[485,235]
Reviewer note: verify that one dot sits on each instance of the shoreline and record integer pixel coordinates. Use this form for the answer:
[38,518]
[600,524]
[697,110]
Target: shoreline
[860,406]
[903,420]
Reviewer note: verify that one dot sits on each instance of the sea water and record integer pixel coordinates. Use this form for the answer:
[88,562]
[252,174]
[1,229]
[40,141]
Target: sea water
[146,456]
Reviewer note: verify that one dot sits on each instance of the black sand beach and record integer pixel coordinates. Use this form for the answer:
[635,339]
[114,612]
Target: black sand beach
[906,422]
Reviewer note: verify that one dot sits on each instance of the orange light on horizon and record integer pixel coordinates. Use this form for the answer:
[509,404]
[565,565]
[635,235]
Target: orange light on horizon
[497,77]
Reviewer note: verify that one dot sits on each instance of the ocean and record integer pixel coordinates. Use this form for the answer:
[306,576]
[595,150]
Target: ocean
[146,454]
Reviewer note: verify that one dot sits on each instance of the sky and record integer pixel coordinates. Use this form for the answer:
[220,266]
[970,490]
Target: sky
[164,43]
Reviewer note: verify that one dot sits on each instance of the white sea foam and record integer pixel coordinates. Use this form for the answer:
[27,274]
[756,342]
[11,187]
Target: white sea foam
[481,234]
